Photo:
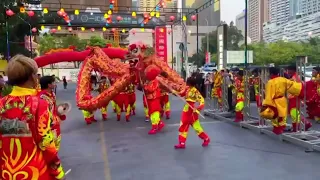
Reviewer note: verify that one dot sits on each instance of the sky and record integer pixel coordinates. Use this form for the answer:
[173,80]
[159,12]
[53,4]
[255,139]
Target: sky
[230,9]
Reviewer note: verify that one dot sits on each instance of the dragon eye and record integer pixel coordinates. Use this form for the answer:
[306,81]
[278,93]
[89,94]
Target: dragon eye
[135,50]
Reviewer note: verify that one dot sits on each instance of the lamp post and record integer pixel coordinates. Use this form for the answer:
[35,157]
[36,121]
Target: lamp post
[246,35]
[207,38]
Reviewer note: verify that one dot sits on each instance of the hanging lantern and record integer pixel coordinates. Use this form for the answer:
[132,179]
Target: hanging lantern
[104,29]
[172,18]
[70,29]
[59,28]
[142,29]
[22,10]
[42,28]
[157,14]
[92,29]
[109,12]
[113,29]
[134,14]
[76,12]
[193,17]
[133,32]
[145,15]
[83,29]
[60,13]
[30,13]
[162,30]
[62,10]
[45,11]
[106,16]
[119,18]
[123,30]
[9,12]
[169,31]
[53,31]
[34,30]
[184,18]
[152,13]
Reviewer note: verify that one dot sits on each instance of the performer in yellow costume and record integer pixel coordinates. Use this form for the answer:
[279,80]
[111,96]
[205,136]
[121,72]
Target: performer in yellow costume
[239,88]
[275,106]
[217,87]
[103,86]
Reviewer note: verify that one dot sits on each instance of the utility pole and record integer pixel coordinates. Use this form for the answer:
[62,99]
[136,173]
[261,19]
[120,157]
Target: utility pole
[246,35]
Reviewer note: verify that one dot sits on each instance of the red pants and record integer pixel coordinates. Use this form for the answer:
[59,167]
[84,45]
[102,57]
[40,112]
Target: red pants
[122,100]
[258,100]
[132,101]
[165,105]
[296,116]
[153,105]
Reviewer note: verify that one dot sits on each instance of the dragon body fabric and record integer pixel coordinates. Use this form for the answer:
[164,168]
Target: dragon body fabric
[107,61]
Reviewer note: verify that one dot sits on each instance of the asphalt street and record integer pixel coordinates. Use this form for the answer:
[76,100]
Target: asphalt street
[111,150]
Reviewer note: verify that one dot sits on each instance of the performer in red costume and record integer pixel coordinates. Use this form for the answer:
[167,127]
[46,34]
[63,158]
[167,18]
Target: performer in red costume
[293,106]
[88,115]
[190,115]
[132,98]
[103,86]
[122,100]
[152,93]
[255,82]
[312,94]
[239,88]
[47,87]
[27,150]
[165,103]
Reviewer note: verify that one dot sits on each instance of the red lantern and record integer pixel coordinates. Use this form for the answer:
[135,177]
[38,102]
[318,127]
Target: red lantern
[53,30]
[92,29]
[60,13]
[9,12]
[34,30]
[172,18]
[193,17]
[70,29]
[119,18]
[145,15]
[169,31]
[113,29]
[133,32]
[30,13]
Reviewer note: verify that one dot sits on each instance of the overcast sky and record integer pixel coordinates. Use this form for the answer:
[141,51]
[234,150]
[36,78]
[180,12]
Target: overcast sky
[230,9]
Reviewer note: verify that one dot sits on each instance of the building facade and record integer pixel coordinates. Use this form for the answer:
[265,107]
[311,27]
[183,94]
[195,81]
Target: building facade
[295,30]
[240,22]
[147,5]
[256,18]
[279,11]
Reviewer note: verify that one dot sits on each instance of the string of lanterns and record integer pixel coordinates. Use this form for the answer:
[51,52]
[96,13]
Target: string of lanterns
[107,16]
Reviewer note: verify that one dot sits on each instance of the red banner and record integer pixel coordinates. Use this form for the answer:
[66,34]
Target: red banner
[161,43]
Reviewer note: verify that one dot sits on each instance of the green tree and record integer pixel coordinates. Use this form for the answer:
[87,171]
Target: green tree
[48,42]
[18,27]
[97,41]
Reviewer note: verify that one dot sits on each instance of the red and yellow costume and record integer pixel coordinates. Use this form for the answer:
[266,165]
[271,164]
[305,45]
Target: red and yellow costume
[122,100]
[152,93]
[274,106]
[217,89]
[239,88]
[165,104]
[145,107]
[190,117]
[28,149]
[255,82]
[51,100]
[313,98]
[132,98]
[88,115]
[294,111]
[104,110]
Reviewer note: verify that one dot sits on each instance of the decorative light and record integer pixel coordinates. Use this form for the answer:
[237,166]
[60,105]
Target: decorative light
[45,11]
[157,14]
[22,10]
[62,10]
[104,29]
[42,28]
[30,13]
[34,30]
[119,18]
[133,32]
[134,14]
[152,13]
[53,30]
[92,29]
[113,29]
[157,8]
[162,30]
[83,29]
[107,24]
[142,29]
[109,12]
[193,17]
[59,28]
[172,18]
[106,16]
[9,12]
[123,30]
[169,31]
[70,29]
[60,13]
[76,12]
[184,18]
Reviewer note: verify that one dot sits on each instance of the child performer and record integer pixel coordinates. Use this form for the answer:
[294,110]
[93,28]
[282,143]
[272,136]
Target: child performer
[103,86]
[190,115]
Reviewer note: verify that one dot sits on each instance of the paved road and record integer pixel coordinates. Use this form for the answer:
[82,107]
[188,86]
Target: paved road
[124,151]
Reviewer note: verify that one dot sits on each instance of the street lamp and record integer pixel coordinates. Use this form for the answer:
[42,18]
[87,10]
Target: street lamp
[207,38]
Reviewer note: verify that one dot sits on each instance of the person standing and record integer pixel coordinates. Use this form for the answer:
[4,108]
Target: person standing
[65,83]
[25,130]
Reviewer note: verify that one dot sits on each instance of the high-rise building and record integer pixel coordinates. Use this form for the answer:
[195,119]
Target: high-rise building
[308,7]
[240,22]
[256,18]
[279,11]
[294,10]
[147,5]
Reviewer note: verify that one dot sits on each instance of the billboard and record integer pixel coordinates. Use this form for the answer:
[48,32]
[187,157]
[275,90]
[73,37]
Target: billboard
[238,57]
[211,13]
[161,43]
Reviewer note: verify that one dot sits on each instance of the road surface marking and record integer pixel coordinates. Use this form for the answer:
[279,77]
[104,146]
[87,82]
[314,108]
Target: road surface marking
[178,124]
[107,173]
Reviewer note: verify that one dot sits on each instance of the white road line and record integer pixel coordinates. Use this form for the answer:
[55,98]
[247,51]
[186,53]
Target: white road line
[178,124]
